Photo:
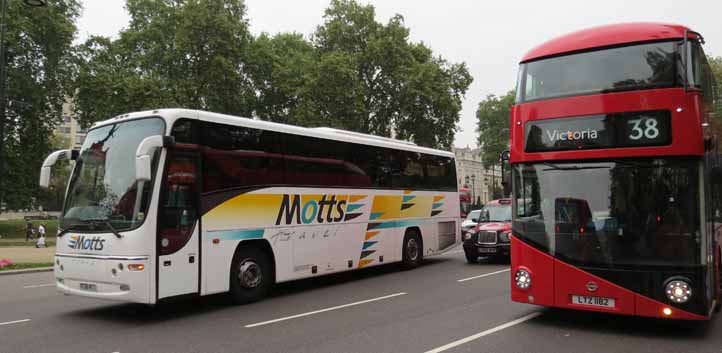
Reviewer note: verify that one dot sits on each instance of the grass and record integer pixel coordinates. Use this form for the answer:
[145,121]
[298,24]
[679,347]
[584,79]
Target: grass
[26,265]
[15,228]
[15,243]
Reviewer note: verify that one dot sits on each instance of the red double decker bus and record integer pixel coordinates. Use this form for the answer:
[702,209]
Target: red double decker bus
[614,169]
[464,201]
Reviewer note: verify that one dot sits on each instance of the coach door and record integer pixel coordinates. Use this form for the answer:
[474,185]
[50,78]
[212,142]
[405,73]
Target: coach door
[179,225]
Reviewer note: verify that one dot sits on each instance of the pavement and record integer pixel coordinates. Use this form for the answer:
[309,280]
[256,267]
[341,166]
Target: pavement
[446,305]
[20,254]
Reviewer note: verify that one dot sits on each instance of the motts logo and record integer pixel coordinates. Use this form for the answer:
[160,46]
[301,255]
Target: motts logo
[82,243]
[326,210]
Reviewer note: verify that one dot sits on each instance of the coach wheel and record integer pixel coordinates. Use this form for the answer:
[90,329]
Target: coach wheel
[412,249]
[251,276]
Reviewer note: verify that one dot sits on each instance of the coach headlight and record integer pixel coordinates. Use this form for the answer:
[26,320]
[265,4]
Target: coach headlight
[678,290]
[522,279]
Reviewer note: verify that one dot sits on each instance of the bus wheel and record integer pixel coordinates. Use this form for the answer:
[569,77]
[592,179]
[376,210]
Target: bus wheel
[413,251]
[250,275]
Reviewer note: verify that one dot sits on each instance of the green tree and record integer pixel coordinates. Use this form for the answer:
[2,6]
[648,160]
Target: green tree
[174,53]
[372,79]
[37,42]
[493,115]
[280,68]
[715,64]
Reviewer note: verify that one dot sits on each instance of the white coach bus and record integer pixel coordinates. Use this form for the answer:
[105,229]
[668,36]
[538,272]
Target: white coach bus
[168,203]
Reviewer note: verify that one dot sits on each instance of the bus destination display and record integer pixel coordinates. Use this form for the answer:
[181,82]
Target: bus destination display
[631,129]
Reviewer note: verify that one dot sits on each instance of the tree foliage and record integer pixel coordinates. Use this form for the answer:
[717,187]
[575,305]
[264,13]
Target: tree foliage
[174,53]
[715,64]
[355,73]
[37,46]
[493,115]
[389,83]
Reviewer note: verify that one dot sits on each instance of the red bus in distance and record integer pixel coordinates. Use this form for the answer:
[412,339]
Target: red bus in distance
[614,167]
[464,201]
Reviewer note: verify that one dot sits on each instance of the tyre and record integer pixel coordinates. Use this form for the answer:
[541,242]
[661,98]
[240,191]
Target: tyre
[251,277]
[412,249]
[471,258]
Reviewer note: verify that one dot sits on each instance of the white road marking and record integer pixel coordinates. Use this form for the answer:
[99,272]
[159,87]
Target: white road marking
[484,333]
[480,276]
[325,310]
[39,285]
[14,322]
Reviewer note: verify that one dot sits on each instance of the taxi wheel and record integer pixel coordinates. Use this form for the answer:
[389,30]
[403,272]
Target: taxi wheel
[471,258]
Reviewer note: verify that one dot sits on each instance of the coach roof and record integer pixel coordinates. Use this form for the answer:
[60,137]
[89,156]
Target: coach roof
[326,133]
[604,36]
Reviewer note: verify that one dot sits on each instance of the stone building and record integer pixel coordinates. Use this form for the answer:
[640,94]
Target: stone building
[471,174]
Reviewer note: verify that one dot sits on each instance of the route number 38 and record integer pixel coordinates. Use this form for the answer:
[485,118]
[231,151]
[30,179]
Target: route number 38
[644,127]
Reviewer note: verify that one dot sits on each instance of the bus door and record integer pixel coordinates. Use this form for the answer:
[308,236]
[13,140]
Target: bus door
[178,236]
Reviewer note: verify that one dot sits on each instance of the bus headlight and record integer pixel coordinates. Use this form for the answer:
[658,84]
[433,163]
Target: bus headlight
[522,279]
[678,290]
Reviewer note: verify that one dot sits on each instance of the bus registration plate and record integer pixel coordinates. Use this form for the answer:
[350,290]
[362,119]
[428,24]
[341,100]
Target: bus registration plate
[593,301]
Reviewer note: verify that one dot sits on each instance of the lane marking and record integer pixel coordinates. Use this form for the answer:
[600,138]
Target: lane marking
[14,322]
[39,285]
[484,275]
[484,333]
[324,310]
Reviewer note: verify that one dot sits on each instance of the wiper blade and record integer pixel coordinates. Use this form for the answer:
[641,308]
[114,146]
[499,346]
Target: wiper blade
[556,167]
[105,222]
[67,230]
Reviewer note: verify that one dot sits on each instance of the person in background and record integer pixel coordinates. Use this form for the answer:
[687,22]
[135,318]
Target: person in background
[29,231]
[41,230]
[41,241]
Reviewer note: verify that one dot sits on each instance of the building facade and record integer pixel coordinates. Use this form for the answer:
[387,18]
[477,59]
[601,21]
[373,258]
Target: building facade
[471,174]
[71,129]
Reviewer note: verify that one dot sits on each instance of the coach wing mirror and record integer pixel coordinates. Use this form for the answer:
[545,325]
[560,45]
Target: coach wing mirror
[144,153]
[50,161]
[716,175]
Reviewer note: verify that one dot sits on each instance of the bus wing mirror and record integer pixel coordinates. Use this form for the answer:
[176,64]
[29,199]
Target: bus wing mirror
[506,183]
[716,175]
[144,152]
[504,156]
[46,169]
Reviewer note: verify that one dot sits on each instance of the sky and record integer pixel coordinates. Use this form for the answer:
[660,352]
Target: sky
[490,36]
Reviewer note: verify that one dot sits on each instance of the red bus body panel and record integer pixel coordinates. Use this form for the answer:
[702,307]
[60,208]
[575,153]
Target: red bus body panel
[554,282]
[687,134]
[608,35]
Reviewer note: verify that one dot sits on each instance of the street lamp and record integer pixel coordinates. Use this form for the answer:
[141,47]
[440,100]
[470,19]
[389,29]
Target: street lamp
[3,79]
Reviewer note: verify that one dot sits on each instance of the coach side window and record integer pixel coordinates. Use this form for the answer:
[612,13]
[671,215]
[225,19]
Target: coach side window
[235,156]
[322,162]
[440,173]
